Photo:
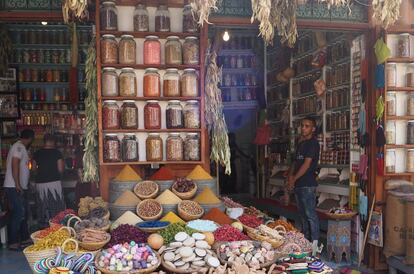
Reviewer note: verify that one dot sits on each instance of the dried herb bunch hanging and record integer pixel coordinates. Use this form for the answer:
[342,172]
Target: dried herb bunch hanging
[74,10]
[5,49]
[337,3]
[201,10]
[386,12]
[90,157]
[220,149]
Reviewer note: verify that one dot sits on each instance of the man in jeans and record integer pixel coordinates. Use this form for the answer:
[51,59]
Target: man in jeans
[302,180]
[16,184]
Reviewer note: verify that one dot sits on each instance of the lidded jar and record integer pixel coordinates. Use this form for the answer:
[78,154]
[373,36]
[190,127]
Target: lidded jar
[152,115]
[152,50]
[189,83]
[171,83]
[141,18]
[410,104]
[391,103]
[127,82]
[173,53]
[391,71]
[192,147]
[130,148]
[390,161]
[410,132]
[112,148]
[129,115]
[162,19]
[191,51]
[390,133]
[409,161]
[192,114]
[403,44]
[110,115]
[174,147]
[174,115]
[189,24]
[152,85]
[127,50]
[109,49]
[154,147]
[109,82]
[109,16]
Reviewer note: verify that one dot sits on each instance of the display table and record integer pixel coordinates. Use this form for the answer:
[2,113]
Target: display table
[396,263]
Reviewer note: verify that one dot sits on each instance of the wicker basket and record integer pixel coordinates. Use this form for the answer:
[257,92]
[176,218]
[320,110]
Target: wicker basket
[152,229]
[247,228]
[142,271]
[34,237]
[68,241]
[34,256]
[345,216]
[170,269]
[152,195]
[107,215]
[188,217]
[71,218]
[256,236]
[152,218]
[95,245]
[184,195]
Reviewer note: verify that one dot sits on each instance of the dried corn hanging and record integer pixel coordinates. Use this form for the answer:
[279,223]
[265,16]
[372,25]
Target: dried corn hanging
[74,10]
[201,10]
[386,12]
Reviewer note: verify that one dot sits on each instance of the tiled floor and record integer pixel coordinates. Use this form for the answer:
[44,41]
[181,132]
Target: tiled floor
[12,262]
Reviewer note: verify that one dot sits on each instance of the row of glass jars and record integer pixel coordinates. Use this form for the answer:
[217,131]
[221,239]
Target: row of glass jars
[126,117]
[124,52]
[109,18]
[174,85]
[177,149]
[391,132]
[392,75]
[391,103]
[390,161]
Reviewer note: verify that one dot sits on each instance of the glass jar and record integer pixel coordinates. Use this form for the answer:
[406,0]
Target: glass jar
[410,132]
[403,49]
[390,133]
[129,115]
[175,147]
[391,103]
[189,83]
[152,50]
[141,18]
[171,83]
[127,50]
[152,115]
[109,16]
[173,54]
[162,19]
[190,51]
[109,49]
[152,85]
[192,114]
[409,166]
[109,82]
[390,161]
[112,148]
[174,114]
[110,115]
[154,148]
[410,104]
[410,75]
[127,82]
[189,24]
[130,148]
[391,73]
[192,147]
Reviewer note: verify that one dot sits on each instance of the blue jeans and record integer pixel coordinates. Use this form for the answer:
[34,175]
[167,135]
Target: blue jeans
[306,203]
[17,227]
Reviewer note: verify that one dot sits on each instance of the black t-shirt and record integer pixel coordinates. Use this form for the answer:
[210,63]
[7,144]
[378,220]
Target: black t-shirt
[307,149]
[47,167]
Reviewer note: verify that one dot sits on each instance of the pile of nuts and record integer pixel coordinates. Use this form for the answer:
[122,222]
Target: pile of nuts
[191,207]
[183,185]
[148,208]
[145,188]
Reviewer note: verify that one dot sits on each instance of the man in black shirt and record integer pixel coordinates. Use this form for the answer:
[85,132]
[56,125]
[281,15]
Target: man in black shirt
[302,180]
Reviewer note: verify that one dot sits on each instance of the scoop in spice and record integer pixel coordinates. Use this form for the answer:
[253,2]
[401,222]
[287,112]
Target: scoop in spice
[127,174]
[207,197]
[127,198]
[199,173]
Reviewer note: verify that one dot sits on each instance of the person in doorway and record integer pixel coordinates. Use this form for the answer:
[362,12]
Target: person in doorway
[49,166]
[16,185]
[302,179]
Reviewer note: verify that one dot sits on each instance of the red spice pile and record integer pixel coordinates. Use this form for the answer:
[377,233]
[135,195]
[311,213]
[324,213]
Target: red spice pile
[217,216]
[250,220]
[227,233]
[163,174]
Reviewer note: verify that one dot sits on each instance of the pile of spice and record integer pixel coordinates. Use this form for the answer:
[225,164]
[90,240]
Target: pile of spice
[125,234]
[153,224]
[216,215]
[88,204]
[198,173]
[44,232]
[148,209]
[229,203]
[183,185]
[191,208]
[207,197]
[203,225]
[294,242]
[250,220]
[251,253]
[227,233]
[168,198]
[172,218]
[163,174]
[127,174]
[53,240]
[169,233]
[127,198]
[128,218]
[146,188]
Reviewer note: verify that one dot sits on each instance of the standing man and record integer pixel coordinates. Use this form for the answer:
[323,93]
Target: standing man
[302,179]
[16,184]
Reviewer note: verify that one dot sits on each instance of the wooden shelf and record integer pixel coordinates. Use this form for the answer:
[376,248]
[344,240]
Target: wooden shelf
[400,60]
[142,66]
[399,146]
[409,89]
[143,34]
[170,3]
[150,163]
[165,130]
[239,70]
[397,30]
[399,174]
[134,98]
[404,117]
[225,52]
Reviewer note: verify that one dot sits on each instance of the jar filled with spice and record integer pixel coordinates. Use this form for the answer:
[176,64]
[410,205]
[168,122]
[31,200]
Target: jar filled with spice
[174,115]
[171,86]
[154,147]
[173,54]
[127,82]
[391,72]
[403,44]
[192,147]
[109,82]
[109,49]
[152,115]
[390,133]
[391,103]
[162,19]
[110,115]
[127,50]
[175,147]
[189,83]
[410,132]
[152,86]
[410,104]
[141,18]
[152,50]
[409,166]
[189,24]
[112,148]
[130,148]
[109,16]
[191,51]
[390,161]
[410,75]
[192,114]
[129,115]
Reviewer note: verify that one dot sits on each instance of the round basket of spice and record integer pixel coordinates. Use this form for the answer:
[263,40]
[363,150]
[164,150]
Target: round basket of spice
[190,210]
[184,188]
[149,210]
[250,222]
[146,190]
[93,239]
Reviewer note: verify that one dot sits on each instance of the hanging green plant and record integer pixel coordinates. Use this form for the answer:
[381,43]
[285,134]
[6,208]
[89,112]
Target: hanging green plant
[90,157]
[5,49]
